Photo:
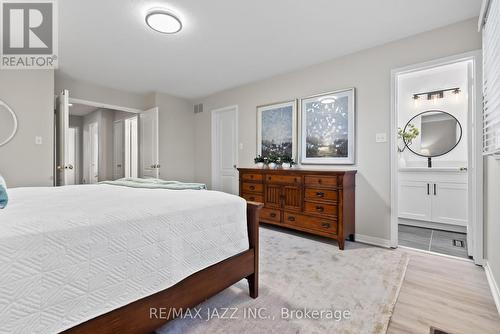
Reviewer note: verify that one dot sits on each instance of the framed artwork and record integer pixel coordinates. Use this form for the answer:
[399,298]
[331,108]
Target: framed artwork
[277,129]
[327,128]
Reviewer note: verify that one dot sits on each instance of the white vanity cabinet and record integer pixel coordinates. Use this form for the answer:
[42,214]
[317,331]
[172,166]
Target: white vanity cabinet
[433,196]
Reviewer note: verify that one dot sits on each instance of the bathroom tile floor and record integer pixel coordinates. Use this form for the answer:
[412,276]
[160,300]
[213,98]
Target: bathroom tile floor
[438,241]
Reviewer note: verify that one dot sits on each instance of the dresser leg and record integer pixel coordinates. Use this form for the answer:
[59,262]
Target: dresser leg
[341,243]
[253,285]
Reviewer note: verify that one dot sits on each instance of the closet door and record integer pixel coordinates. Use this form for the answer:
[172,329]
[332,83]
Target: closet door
[415,200]
[449,203]
[62,126]
[118,150]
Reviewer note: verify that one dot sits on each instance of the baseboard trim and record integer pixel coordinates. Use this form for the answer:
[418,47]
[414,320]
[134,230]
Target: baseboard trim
[366,239]
[495,291]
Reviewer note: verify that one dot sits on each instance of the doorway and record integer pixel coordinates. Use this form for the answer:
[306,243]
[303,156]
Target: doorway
[97,142]
[436,161]
[225,150]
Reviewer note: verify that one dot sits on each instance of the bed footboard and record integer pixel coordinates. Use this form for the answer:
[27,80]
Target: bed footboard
[138,318]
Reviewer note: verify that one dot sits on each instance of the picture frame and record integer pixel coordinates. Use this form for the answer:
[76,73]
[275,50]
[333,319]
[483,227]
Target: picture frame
[327,128]
[277,129]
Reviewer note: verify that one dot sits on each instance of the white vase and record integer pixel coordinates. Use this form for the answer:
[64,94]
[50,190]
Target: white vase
[402,161]
[286,166]
[271,165]
[259,165]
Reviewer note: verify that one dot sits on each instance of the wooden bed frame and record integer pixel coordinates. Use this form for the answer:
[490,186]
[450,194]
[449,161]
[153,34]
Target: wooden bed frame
[135,318]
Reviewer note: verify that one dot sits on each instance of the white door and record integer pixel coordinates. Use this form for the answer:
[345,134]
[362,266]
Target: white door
[131,148]
[415,200]
[71,154]
[93,146]
[225,150]
[449,203]
[150,161]
[118,150]
[62,126]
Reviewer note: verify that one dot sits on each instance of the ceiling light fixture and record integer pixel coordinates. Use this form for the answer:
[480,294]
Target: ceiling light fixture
[162,20]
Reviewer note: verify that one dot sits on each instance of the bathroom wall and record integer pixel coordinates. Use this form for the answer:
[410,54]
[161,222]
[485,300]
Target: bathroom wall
[443,77]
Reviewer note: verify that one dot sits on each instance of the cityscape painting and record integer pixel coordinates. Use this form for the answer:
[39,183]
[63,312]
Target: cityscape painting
[327,129]
[276,134]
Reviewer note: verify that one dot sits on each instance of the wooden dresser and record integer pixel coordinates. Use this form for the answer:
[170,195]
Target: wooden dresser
[317,202]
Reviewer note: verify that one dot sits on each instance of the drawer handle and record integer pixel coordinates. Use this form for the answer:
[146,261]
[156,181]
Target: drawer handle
[320,208]
[320,194]
[291,218]
[319,180]
[295,180]
[252,188]
[251,176]
[269,178]
[325,225]
[272,215]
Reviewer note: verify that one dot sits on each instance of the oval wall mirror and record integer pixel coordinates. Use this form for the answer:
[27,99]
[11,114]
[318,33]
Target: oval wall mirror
[8,123]
[440,133]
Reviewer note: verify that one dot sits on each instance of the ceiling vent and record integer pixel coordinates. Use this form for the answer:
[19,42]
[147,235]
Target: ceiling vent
[198,108]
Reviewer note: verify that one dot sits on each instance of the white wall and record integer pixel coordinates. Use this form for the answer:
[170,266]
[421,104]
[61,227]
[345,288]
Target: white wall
[30,93]
[369,71]
[177,137]
[95,93]
[443,77]
[492,215]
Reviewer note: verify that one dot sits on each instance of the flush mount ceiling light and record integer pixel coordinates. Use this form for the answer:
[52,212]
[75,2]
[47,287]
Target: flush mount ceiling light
[163,21]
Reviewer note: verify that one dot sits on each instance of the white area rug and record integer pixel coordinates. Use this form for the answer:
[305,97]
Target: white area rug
[306,276]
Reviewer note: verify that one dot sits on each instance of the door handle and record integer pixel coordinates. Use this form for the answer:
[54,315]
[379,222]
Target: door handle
[428,189]
[435,191]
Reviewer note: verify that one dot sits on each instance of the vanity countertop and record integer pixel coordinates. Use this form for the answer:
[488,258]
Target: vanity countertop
[434,169]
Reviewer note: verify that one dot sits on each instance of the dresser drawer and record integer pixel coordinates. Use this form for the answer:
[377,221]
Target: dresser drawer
[321,194]
[252,177]
[253,197]
[320,208]
[252,187]
[270,214]
[270,178]
[306,222]
[326,181]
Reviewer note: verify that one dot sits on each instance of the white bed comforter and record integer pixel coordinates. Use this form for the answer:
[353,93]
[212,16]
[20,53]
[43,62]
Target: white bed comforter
[69,254]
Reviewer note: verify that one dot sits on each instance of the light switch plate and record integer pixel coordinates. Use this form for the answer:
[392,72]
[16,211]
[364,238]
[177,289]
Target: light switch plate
[381,137]
[38,140]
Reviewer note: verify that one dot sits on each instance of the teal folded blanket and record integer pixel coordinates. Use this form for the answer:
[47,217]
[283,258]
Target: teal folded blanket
[4,198]
[155,184]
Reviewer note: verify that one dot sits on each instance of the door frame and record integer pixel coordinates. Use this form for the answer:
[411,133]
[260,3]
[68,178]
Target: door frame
[215,149]
[475,157]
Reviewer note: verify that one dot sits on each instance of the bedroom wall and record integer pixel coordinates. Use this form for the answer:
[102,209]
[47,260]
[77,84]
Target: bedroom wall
[30,93]
[492,216]
[177,137]
[96,93]
[369,71]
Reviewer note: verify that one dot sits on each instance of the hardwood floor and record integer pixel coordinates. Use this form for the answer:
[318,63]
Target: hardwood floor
[449,294]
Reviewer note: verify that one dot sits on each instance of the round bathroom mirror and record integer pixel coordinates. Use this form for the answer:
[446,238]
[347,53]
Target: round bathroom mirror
[439,133]
[8,123]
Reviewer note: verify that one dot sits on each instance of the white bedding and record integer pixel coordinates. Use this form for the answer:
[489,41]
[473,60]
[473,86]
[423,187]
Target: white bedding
[69,254]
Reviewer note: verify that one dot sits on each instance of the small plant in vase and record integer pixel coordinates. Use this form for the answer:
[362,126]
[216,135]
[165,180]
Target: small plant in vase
[406,137]
[273,161]
[288,161]
[260,161]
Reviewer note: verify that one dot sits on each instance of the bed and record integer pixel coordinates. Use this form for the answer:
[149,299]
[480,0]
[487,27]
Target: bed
[98,258]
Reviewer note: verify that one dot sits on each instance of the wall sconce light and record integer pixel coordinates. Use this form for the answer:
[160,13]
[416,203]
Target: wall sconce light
[437,94]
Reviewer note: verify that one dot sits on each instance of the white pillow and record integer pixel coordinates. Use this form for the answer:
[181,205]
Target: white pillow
[2,182]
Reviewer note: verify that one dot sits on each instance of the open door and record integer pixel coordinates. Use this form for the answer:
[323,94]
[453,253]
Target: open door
[118,150]
[62,125]
[150,161]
